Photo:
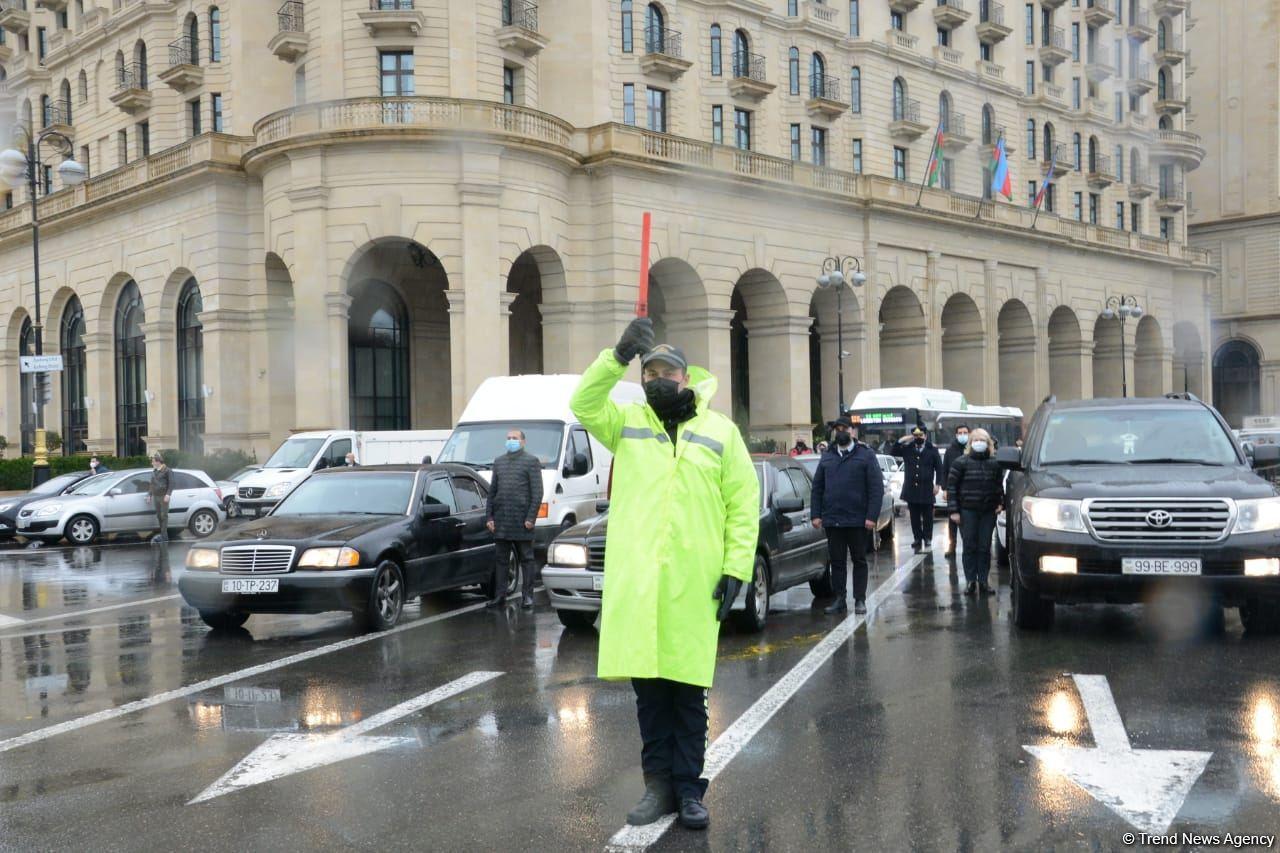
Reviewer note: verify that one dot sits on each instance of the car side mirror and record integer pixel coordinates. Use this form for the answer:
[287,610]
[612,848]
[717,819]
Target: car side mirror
[602,507]
[1009,458]
[434,511]
[1266,455]
[578,467]
[115,493]
[788,505]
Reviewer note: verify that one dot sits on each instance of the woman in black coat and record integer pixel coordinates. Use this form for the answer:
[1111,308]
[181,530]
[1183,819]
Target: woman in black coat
[975,495]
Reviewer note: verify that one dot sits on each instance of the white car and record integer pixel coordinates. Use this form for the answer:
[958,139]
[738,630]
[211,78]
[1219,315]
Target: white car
[891,467]
[229,486]
[118,502]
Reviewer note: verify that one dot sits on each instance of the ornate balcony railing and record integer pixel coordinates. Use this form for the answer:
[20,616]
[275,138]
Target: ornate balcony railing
[131,77]
[953,125]
[749,66]
[663,40]
[520,13]
[824,86]
[291,18]
[390,5]
[1053,37]
[182,52]
[906,111]
[990,12]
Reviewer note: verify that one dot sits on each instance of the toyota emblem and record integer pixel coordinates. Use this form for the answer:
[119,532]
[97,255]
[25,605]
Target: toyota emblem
[1159,519]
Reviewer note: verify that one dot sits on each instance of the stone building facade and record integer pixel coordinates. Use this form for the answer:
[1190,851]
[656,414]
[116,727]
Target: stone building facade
[351,212]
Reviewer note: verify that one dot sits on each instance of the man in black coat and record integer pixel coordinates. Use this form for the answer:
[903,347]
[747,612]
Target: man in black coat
[922,479]
[515,495]
[954,452]
[848,490]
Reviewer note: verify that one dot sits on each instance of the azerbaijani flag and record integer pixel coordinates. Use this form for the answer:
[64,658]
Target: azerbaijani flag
[1048,177]
[933,171]
[1000,180]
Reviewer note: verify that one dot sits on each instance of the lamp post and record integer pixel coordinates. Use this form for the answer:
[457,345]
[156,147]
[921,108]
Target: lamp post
[16,168]
[1122,307]
[837,270]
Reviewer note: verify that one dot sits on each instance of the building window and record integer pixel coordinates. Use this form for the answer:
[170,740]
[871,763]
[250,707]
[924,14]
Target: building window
[215,102]
[46,111]
[855,90]
[946,171]
[628,34]
[508,85]
[854,25]
[742,129]
[1134,209]
[1032,186]
[717,124]
[8,201]
[84,160]
[1119,107]
[716,57]
[988,125]
[1119,158]
[193,41]
[899,163]
[657,110]
[1077,150]
[793,8]
[1030,21]
[899,99]
[395,69]
[131,373]
[896,21]
[1075,42]
[795,142]
[984,52]
[378,343]
[144,139]
[818,145]
[1120,215]
[1075,93]
[655,30]
[215,34]
[122,147]
[42,43]
[1166,228]
[75,417]
[193,112]
[629,103]
[793,70]
[1031,77]
[1077,204]
[857,156]
[1095,202]
[944,37]
[1031,139]
[817,76]
[190,369]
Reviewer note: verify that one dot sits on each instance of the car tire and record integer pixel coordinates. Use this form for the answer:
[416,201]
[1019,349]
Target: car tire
[513,579]
[756,613]
[1002,553]
[203,523]
[1030,611]
[81,530]
[888,534]
[232,508]
[1261,618]
[578,620]
[821,585]
[224,620]
[386,598]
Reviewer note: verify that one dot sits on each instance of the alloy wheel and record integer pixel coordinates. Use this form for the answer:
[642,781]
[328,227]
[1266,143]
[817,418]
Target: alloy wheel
[388,596]
[82,531]
[204,523]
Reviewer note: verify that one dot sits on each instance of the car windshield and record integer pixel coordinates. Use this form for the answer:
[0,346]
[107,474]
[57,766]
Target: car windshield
[355,493]
[479,444]
[295,453]
[56,485]
[95,485]
[1136,436]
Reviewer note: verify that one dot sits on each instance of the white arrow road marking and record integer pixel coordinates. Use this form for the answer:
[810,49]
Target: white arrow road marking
[285,754]
[1146,787]
[9,621]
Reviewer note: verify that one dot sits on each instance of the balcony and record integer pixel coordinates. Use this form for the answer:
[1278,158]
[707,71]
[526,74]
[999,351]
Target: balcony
[57,117]
[990,72]
[664,53]
[1169,7]
[520,28]
[53,5]
[902,7]
[14,16]
[947,55]
[954,135]
[291,39]
[1050,94]
[393,18]
[1139,80]
[1051,4]
[749,77]
[183,73]
[1099,13]
[1140,26]
[991,26]
[25,70]
[1053,46]
[1097,66]
[1171,100]
[1061,163]
[906,124]
[1140,185]
[131,93]
[949,14]
[1178,146]
[824,97]
[1100,173]
[1169,51]
[1140,122]
[818,15]
[6,53]
[900,42]
[1171,197]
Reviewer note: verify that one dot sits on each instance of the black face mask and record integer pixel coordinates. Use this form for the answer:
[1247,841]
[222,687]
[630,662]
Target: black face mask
[668,401]
[844,439]
[919,440]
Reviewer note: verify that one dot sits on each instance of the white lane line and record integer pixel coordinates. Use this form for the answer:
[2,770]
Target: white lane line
[169,695]
[1104,716]
[742,730]
[9,621]
[77,613]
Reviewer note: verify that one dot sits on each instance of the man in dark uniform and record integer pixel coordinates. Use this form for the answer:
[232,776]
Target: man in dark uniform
[922,479]
[848,489]
[954,452]
[515,496]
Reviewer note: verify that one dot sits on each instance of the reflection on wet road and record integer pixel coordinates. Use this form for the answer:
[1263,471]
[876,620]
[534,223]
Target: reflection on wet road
[910,736]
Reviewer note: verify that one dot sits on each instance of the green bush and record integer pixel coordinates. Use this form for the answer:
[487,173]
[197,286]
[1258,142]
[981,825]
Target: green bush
[15,474]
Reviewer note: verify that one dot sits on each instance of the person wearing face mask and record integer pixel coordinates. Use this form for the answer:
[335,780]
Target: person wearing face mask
[921,481]
[684,517]
[975,495]
[847,490]
[954,452]
[515,496]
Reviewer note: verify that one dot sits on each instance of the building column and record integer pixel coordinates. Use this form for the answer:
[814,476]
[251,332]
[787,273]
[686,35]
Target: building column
[1040,317]
[338,314]
[100,386]
[11,402]
[855,371]
[162,386]
[1086,369]
[479,340]
[315,362]
[870,342]
[227,372]
[933,331]
[991,341]
[703,334]
[779,353]
[505,298]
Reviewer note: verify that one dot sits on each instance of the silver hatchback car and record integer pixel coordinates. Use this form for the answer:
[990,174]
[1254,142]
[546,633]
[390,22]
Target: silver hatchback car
[118,502]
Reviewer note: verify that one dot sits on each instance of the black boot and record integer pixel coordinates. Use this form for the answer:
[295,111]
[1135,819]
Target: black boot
[658,800]
[971,588]
[495,603]
[986,589]
[527,601]
[860,607]
[840,605]
[693,814]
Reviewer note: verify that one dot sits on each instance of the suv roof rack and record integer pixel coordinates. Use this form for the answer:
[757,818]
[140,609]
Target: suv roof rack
[1182,395]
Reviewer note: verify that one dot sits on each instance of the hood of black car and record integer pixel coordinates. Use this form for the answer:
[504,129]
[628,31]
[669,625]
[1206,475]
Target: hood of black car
[1126,481]
[592,528]
[330,528]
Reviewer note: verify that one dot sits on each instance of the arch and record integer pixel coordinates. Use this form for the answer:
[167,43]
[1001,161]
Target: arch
[837,323]
[1162,83]
[757,299]
[75,417]
[1188,359]
[1162,34]
[793,70]
[27,389]
[944,110]
[717,51]
[988,125]
[378,351]
[963,344]
[215,34]
[1148,359]
[817,75]
[120,70]
[1093,153]
[83,85]
[903,326]
[64,92]
[1237,381]
[675,290]
[131,372]
[142,79]
[278,352]
[536,278]
[1047,133]
[1166,123]
[1108,379]
[741,53]
[899,99]
[190,368]
[1017,355]
[655,29]
[1066,355]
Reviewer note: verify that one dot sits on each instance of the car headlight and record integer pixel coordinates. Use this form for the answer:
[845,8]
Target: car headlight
[51,509]
[203,559]
[571,556]
[1258,516]
[329,558]
[1051,514]
[278,490]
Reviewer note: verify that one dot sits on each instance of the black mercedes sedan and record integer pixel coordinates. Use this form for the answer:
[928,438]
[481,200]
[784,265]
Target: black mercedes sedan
[358,539]
[52,488]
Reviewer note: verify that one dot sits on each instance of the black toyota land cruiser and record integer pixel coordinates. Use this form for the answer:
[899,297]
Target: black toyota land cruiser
[1111,497]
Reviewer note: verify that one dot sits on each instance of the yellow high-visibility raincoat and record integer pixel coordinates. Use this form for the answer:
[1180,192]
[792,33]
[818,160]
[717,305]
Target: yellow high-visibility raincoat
[679,517]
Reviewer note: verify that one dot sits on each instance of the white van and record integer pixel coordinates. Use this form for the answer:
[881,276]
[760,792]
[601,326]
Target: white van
[305,452]
[575,467]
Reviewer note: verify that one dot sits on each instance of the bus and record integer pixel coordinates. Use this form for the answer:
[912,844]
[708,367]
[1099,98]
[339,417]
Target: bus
[884,415]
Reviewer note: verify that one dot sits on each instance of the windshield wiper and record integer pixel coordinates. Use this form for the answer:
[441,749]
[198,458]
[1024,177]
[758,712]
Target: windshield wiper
[1171,461]
[479,466]
[1083,462]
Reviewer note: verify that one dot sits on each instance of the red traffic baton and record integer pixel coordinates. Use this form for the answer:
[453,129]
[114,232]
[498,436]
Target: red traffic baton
[646,229]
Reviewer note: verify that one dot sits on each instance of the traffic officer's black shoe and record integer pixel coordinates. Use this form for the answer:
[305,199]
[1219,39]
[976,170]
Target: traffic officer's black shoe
[860,607]
[495,603]
[658,800]
[915,547]
[986,589]
[971,588]
[693,814]
[840,605]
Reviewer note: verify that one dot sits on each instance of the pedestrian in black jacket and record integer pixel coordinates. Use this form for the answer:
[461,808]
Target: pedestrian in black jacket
[922,479]
[848,489]
[975,494]
[954,452]
[515,495]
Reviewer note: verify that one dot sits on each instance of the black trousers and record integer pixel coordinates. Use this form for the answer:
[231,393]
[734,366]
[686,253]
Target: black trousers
[921,522]
[528,566]
[953,535]
[977,527]
[842,541]
[673,729]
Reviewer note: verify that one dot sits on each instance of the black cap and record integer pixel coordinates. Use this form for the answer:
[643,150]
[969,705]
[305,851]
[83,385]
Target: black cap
[667,353]
[843,421]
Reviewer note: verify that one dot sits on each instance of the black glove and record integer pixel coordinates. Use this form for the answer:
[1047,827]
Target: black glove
[726,591]
[638,339]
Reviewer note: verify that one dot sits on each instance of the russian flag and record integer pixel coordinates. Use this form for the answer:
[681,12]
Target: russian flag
[1000,180]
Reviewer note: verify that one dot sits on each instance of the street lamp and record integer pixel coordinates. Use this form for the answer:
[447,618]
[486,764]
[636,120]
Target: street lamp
[836,271]
[17,168]
[1122,307]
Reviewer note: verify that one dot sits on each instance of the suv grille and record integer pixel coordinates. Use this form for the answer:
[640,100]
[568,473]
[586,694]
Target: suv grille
[256,559]
[1158,519]
[251,492]
[595,556]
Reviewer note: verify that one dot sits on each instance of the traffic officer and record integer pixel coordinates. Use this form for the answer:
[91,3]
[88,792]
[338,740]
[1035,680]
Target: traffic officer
[922,479]
[683,521]
[848,488]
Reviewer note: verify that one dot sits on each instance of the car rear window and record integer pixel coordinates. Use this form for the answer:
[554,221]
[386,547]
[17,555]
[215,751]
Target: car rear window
[1136,435]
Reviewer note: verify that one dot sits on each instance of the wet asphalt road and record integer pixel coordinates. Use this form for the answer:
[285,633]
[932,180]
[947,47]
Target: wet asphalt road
[910,736]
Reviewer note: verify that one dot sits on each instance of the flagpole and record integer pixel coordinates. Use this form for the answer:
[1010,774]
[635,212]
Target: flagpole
[928,167]
[989,179]
[1044,186]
